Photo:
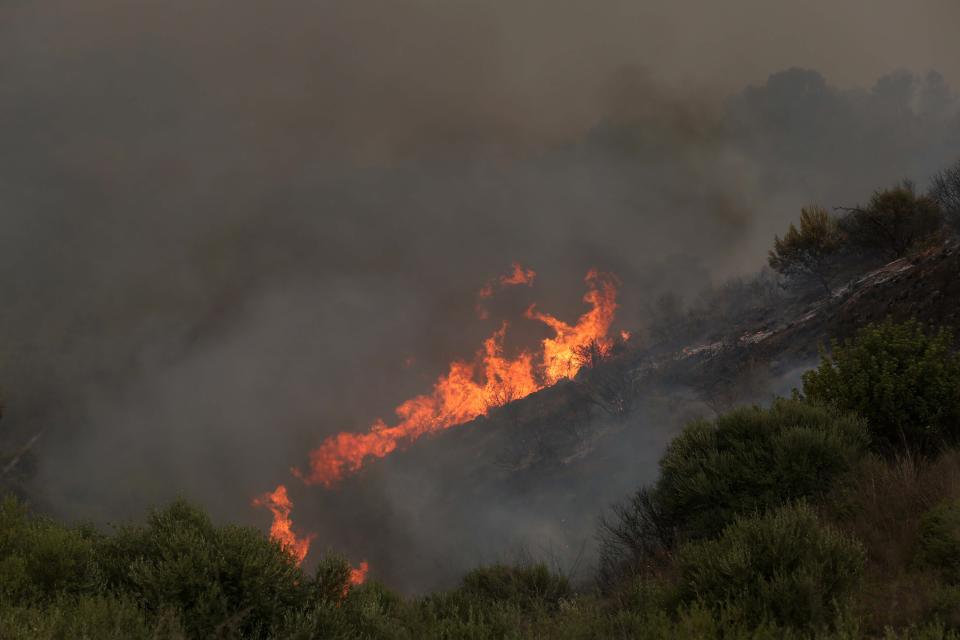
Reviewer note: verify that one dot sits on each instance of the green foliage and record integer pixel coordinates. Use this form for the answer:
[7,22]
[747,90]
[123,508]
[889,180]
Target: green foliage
[945,606]
[217,578]
[86,618]
[525,587]
[783,567]
[752,459]
[939,544]
[894,221]
[813,250]
[40,560]
[904,382]
[744,462]
[367,611]
[331,579]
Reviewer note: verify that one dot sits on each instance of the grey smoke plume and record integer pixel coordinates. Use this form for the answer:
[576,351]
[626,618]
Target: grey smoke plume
[226,226]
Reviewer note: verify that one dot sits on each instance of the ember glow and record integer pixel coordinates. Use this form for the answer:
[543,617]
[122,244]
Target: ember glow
[518,276]
[278,502]
[471,388]
[358,575]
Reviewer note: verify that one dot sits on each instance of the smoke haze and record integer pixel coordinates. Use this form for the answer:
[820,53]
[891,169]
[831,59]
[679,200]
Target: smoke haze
[227,229]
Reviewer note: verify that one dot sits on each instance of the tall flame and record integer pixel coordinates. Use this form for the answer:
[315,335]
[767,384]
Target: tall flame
[278,502]
[470,389]
[281,530]
[562,353]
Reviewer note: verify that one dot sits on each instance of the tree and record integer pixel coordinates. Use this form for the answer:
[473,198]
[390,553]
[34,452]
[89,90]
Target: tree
[945,191]
[813,250]
[905,382]
[894,221]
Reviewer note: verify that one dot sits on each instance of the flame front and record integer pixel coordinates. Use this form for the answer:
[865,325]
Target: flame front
[470,389]
[281,530]
[358,575]
[562,353]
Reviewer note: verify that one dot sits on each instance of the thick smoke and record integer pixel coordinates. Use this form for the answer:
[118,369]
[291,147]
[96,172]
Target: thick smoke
[227,227]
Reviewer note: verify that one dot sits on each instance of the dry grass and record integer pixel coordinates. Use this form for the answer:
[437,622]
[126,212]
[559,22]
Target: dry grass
[882,506]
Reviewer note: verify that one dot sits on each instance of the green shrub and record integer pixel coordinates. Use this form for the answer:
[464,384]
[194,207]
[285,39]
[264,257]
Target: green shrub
[945,606]
[744,462]
[85,618]
[41,560]
[752,459]
[526,587]
[904,382]
[938,547]
[366,611]
[783,567]
[219,579]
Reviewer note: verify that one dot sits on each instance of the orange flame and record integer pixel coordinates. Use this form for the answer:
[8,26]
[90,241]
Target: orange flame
[518,276]
[282,528]
[486,291]
[560,353]
[470,389]
[359,575]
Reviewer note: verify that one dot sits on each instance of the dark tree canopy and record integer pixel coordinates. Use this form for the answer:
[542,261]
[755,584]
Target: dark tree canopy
[945,191]
[894,221]
[813,250]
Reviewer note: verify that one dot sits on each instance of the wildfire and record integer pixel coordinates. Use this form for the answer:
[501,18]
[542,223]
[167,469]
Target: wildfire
[561,357]
[281,530]
[358,575]
[518,276]
[470,389]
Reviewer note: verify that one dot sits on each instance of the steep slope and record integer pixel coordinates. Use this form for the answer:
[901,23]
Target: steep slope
[532,477]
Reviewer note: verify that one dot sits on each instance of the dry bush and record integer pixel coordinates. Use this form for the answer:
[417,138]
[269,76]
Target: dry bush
[882,506]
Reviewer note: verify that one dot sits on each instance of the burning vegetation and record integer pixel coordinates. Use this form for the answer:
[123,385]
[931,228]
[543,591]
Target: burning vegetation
[471,388]
[468,390]
[279,504]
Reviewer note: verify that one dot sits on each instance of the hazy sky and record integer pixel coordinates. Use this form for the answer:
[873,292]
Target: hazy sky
[226,226]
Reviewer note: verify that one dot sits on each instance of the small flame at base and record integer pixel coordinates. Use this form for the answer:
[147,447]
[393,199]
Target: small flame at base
[281,530]
[358,575]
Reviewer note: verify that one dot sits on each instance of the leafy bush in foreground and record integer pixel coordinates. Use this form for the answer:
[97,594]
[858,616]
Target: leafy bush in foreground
[752,459]
[86,618]
[526,587]
[904,382]
[783,567]
[744,462]
[41,560]
[216,577]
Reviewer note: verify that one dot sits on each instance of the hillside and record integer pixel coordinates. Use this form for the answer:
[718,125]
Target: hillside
[533,476]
